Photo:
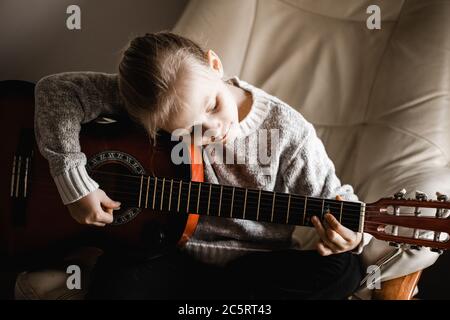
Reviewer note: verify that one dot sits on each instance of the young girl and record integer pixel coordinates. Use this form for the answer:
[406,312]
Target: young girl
[167,82]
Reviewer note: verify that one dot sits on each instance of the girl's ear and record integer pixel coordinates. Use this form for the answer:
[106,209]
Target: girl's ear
[214,62]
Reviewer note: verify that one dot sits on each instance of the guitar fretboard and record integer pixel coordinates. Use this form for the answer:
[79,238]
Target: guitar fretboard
[177,196]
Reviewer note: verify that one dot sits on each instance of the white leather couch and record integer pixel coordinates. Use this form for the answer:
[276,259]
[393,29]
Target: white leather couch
[379,99]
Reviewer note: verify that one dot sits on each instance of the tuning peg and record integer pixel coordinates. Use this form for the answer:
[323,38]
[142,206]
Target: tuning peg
[400,195]
[394,244]
[441,196]
[440,251]
[422,196]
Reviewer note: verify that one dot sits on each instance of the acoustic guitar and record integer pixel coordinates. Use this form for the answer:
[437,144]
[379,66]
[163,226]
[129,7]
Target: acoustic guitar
[162,202]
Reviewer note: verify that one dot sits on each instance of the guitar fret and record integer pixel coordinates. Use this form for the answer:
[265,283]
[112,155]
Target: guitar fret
[198,197]
[26,178]
[304,210]
[154,193]
[259,201]
[140,191]
[18,176]
[220,200]
[170,194]
[273,206]
[288,209]
[189,197]
[209,198]
[179,195]
[232,203]
[146,193]
[323,204]
[245,202]
[13,176]
[270,206]
[162,194]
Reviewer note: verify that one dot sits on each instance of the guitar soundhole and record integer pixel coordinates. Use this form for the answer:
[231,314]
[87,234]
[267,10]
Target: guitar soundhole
[118,175]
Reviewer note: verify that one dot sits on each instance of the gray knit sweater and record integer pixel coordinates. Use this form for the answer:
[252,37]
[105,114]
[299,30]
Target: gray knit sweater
[298,162]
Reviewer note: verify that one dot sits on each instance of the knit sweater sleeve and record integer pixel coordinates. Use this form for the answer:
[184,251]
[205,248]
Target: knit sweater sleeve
[309,170]
[63,102]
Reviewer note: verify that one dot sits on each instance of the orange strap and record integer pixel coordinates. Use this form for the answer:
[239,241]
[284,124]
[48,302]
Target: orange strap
[198,176]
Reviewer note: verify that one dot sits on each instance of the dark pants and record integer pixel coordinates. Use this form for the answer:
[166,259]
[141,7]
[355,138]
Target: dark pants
[288,274]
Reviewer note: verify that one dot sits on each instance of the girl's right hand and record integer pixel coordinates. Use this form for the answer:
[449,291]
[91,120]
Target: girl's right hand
[96,208]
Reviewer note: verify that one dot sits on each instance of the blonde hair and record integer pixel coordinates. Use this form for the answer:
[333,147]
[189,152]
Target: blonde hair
[148,72]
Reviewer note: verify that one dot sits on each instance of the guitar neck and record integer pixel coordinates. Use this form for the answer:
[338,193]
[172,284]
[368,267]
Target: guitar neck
[177,196]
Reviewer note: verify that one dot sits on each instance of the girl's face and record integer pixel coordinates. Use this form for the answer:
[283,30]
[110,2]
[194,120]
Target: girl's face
[208,107]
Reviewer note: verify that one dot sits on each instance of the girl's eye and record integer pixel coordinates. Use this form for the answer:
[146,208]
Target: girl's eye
[216,106]
[213,109]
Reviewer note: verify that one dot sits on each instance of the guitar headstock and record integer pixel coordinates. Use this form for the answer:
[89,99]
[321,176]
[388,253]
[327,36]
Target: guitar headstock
[418,222]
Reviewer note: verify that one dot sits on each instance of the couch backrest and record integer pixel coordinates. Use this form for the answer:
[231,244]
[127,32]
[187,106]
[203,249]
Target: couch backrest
[379,99]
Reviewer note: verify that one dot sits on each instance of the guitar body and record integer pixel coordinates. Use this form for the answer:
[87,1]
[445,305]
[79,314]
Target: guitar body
[33,217]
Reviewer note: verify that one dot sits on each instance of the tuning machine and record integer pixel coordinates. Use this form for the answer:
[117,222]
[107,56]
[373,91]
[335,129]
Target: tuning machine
[394,244]
[421,196]
[440,213]
[439,251]
[400,195]
[441,197]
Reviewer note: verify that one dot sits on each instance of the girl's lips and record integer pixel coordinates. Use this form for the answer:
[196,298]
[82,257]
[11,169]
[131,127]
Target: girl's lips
[224,136]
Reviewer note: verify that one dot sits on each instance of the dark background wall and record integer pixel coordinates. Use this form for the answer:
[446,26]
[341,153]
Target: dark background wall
[34,39]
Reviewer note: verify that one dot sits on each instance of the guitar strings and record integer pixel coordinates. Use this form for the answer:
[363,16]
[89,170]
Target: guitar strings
[313,200]
[348,203]
[367,223]
[293,215]
[225,192]
[137,179]
[296,196]
[249,206]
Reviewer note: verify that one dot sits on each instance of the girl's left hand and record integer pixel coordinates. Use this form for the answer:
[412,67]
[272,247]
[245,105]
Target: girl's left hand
[335,238]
